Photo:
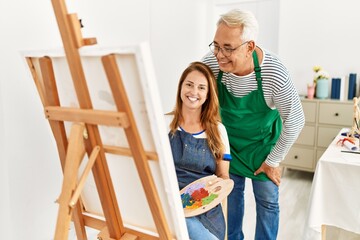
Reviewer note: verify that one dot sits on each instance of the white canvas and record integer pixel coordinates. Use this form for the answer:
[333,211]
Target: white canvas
[136,69]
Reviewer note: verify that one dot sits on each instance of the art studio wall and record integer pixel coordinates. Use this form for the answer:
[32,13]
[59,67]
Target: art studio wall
[321,33]
[4,177]
[309,33]
[29,155]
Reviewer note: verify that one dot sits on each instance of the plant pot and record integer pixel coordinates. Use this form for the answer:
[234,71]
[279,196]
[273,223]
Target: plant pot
[322,88]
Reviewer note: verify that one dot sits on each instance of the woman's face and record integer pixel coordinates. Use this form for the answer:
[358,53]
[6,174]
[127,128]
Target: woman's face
[194,90]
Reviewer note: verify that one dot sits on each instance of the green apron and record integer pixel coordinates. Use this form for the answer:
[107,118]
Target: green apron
[252,127]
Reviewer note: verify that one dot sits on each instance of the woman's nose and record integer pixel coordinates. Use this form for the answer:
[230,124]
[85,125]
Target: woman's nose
[194,90]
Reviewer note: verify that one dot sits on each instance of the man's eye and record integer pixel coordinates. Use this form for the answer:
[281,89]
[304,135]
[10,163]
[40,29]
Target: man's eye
[229,50]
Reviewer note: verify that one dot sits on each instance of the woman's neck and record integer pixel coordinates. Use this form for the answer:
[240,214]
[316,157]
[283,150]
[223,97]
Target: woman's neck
[191,122]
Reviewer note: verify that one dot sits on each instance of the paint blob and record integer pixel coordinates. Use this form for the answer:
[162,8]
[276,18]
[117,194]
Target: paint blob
[196,196]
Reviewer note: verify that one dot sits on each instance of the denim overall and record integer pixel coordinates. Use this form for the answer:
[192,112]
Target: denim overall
[193,160]
[253,130]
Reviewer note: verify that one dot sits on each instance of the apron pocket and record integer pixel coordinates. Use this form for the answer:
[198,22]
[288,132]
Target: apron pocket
[193,158]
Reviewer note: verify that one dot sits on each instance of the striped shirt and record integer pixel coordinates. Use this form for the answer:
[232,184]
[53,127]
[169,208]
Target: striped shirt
[279,93]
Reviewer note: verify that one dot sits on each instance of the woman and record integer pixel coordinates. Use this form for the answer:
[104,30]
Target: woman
[199,143]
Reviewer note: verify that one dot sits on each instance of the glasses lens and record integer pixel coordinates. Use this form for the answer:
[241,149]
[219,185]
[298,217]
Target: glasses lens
[216,49]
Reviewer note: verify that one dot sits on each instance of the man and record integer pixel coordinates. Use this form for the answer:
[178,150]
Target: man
[262,113]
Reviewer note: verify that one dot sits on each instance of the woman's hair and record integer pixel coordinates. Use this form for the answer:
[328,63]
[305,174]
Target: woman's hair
[241,19]
[210,116]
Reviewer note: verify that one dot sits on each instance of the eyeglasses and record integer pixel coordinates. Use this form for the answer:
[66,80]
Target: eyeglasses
[225,51]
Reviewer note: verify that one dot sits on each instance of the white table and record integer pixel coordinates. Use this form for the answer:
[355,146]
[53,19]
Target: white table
[335,193]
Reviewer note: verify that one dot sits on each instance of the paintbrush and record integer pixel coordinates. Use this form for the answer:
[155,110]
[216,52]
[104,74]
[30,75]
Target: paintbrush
[350,152]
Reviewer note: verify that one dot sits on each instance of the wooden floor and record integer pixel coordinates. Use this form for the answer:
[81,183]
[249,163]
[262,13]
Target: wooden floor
[294,195]
[294,190]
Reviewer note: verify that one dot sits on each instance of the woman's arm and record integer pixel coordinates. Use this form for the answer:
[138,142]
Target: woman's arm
[222,165]
[222,169]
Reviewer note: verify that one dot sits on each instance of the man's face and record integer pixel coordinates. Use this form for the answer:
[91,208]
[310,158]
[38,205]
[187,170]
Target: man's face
[229,40]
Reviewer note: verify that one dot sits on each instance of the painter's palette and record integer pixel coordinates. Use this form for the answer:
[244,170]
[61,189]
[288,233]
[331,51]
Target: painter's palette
[205,193]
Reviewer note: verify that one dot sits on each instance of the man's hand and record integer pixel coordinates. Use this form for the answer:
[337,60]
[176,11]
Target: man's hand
[273,173]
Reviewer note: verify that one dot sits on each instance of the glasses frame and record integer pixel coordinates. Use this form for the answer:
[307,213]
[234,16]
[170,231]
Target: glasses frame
[225,51]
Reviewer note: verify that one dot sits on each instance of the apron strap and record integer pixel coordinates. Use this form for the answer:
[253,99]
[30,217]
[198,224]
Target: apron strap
[219,76]
[257,69]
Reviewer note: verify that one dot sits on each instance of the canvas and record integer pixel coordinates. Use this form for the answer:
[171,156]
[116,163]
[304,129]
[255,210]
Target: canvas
[136,70]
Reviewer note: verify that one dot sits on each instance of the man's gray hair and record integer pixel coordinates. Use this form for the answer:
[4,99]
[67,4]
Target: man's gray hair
[242,19]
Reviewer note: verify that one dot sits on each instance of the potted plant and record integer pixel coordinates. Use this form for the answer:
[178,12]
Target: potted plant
[321,81]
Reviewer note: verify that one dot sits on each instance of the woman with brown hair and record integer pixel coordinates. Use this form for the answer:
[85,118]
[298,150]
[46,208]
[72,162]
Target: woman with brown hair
[199,143]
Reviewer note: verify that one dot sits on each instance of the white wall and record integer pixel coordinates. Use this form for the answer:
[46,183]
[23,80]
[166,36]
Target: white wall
[29,155]
[4,179]
[176,31]
[32,174]
[311,32]
[319,32]
[266,13]
[25,141]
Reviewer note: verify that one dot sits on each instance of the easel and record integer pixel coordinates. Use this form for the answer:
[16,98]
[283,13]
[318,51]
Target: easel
[84,138]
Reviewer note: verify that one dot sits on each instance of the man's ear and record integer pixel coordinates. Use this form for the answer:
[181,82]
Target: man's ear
[251,46]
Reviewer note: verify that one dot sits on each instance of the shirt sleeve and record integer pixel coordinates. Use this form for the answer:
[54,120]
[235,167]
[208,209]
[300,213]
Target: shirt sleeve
[288,103]
[225,140]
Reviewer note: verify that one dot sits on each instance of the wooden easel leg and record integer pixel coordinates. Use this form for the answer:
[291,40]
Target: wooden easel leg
[104,235]
[79,223]
[137,149]
[48,90]
[323,232]
[83,177]
[72,40]
[75,153]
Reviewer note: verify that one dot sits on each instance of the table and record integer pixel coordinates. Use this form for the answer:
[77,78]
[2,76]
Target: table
[335,192]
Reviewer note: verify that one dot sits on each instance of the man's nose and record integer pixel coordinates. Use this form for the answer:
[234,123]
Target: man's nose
[220,51]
